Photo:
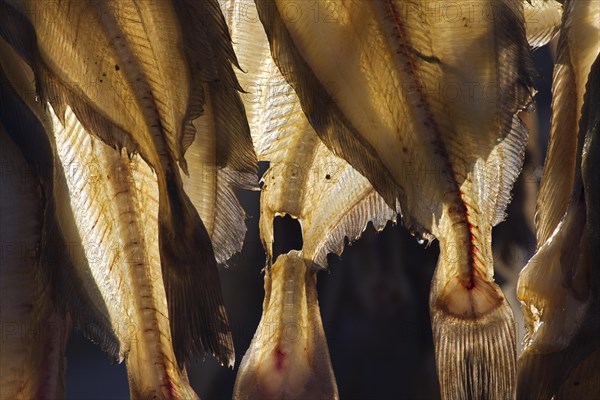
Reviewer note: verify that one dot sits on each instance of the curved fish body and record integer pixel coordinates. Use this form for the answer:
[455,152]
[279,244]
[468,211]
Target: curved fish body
[578,47]
[425,108]
[305,180]
[559,287]
[276,365]
[138,75]
[114,199]
[34,332]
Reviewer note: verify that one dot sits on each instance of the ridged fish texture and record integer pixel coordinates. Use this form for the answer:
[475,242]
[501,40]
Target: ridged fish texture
[138,75]
[305,179]
[559,287]
[425,107]
[115,203]
[108,222]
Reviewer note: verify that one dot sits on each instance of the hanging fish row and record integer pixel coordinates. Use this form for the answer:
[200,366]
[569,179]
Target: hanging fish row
[105,104]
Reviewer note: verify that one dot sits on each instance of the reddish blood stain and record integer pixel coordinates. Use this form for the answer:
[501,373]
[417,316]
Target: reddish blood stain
[279,358]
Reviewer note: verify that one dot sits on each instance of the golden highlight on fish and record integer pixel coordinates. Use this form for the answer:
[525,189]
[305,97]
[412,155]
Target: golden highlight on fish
[138,75]
[374,81]
[329,198]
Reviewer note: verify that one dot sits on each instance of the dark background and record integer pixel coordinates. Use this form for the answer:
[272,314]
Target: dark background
[374,300]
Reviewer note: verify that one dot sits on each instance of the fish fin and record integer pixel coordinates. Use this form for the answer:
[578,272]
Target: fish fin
[196,309]
[216,201]
[211,187]
[20,34]
[205,29]
[360,206]
[474,337]
[320,108]
[89,316]
[34,138]
[542,21]
[229,227]
[216,115]
[502,168]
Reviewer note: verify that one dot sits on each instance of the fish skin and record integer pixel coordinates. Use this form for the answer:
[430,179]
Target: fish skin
[212,187]
[115,83]
[275,366]
[34,332]
[560,286]
[542,21]
[450,164]
[114,198]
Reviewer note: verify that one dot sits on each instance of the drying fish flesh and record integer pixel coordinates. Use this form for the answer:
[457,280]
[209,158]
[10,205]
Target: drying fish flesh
[578,47]
[559,286]
[388,92]
[137,75]
[329,198]
[45,285]
[115,198]
[305,180]
[109,196]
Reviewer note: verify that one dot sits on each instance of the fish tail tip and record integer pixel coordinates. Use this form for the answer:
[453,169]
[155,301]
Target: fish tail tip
[474,338]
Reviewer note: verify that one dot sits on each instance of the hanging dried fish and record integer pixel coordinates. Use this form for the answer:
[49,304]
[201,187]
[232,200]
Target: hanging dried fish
[305,179]
[578,47]
[137,75]
[559,286]
[103,194]
[115,199]
[288,357]
[425,108]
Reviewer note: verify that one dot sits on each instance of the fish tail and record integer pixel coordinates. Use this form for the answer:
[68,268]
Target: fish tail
[474,337]
[288,357]
[173,385]
[196,310]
